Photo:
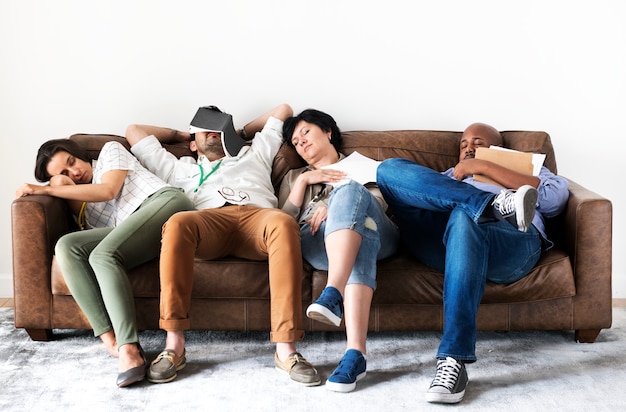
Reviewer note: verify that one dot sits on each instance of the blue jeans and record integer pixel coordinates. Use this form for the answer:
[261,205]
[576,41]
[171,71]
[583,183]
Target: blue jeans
[352,206]
[439,222]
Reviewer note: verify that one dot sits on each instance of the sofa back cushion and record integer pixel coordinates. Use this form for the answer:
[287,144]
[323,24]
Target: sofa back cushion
[93,144]
[436,149]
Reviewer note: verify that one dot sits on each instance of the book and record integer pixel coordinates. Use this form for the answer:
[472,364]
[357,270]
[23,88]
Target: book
[521,162]
[358,168]
[212,119]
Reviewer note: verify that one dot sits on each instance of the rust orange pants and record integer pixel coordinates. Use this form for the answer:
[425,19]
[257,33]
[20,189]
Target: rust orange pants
[241,231]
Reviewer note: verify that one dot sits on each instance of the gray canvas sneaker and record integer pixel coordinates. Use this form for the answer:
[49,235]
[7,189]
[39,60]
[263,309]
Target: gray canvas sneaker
[517,206]
[449,383]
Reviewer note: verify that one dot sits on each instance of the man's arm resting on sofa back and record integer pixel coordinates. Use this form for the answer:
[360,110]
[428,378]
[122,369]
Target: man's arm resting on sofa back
[137,132]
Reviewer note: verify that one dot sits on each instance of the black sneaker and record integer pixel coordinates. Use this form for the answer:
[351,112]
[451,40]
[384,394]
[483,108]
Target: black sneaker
[449,383]
[517,207]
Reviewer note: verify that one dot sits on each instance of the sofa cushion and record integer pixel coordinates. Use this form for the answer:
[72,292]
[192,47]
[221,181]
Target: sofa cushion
[227,277]
[435,149]
[403,279]
[93,144]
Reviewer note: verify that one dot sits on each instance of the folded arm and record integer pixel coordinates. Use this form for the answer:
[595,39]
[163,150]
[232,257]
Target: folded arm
[281,112]
[503,176]
[111,185]
[136,132]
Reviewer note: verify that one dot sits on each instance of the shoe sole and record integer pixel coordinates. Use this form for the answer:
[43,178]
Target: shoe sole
[320,313]
[526,202]
[344,387]
[168,379]
[434,397]
[314,383]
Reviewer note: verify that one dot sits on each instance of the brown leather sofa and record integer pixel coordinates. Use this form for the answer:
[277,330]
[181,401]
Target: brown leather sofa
[569,289]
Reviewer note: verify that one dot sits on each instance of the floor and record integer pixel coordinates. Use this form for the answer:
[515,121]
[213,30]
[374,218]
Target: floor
[8,303]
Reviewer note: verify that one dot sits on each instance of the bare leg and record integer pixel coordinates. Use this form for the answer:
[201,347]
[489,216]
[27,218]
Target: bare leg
[342,247]
[108,338]
[175,341]
[130,357]
[357,303]
[284,349]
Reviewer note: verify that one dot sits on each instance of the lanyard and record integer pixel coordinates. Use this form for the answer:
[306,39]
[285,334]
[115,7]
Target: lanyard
[203,177]
[310,205]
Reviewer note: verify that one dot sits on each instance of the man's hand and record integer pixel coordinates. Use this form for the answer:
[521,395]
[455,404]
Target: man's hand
[468,167]
[505,177]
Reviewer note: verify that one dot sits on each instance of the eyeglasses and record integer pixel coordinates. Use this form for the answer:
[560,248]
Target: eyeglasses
[229,194]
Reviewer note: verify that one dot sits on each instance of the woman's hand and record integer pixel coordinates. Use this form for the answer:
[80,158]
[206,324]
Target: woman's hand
[312,177]
[322,176]
[319,216]
[30,189]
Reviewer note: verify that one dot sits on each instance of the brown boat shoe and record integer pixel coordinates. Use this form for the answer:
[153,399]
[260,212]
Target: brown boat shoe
[165,367]
[298,369]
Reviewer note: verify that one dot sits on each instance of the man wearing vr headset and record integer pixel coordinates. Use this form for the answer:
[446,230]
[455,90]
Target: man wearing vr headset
[236,216]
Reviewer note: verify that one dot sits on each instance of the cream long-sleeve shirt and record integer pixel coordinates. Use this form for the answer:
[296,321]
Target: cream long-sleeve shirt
[243,180]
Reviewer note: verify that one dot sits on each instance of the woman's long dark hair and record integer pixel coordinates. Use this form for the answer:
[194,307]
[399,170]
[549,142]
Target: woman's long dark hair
[52,147]
[322,120]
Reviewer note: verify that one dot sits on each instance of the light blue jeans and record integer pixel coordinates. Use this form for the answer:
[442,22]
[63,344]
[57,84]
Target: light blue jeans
[352,206]
[438,219]
[94,262]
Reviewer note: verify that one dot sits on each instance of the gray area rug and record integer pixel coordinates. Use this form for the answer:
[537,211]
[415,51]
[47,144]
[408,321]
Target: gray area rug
[516,371]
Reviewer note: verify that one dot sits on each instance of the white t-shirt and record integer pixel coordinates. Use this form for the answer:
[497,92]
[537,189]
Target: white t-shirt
[138,185]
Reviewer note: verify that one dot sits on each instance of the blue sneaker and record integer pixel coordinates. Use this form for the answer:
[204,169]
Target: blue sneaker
[351,369]
[328,308]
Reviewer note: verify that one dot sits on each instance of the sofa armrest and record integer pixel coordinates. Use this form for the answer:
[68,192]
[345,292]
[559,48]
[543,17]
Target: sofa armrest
[37,222]
[587,238]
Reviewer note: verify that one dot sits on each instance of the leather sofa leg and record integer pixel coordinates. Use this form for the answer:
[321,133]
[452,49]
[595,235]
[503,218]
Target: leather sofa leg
[43,335]
[586,335]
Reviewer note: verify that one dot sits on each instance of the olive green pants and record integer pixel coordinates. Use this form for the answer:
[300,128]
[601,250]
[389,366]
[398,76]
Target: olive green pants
[94,263]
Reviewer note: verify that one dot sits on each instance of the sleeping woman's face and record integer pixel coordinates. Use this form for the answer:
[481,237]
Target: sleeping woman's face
[311,141]
[64,163]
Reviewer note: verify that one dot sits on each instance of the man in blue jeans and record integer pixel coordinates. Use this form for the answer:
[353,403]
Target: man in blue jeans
[473,232]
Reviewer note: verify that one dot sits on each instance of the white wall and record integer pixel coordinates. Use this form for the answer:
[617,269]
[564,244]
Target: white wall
[559,66]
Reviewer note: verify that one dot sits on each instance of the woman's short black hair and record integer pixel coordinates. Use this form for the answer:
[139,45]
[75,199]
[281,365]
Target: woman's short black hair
[323,120]
[52,147]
